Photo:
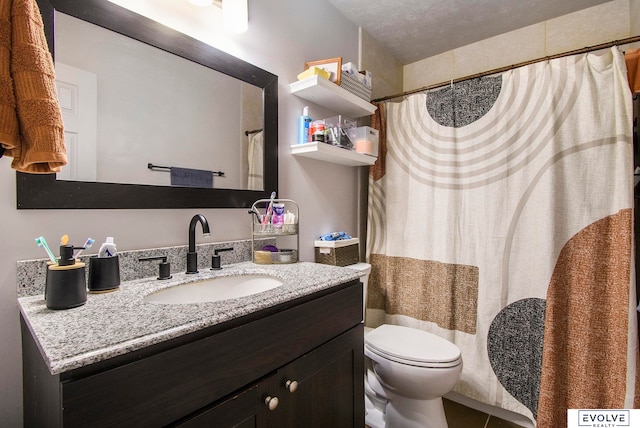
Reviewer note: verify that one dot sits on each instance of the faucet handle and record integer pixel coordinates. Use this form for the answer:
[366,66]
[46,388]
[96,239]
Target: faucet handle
[164,268]
[215,259]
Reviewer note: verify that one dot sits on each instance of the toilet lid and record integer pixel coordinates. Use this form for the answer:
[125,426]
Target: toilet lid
[409,345]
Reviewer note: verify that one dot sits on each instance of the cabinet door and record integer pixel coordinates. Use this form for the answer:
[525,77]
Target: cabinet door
[323,388]
[329,385]
[236,412]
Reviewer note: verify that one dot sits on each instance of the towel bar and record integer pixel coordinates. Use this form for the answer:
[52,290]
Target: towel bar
[168,168]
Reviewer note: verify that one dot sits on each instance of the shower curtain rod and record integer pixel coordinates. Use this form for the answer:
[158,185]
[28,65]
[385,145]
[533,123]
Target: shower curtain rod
[511,67]
[255,131]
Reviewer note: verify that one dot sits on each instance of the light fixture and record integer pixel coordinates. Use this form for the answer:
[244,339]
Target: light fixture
[201,3]
[235,15]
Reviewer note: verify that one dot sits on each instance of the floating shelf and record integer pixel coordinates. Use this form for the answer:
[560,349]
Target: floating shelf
[333,154]
[327,94]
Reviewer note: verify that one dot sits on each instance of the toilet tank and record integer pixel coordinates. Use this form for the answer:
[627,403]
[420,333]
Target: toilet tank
[366,268]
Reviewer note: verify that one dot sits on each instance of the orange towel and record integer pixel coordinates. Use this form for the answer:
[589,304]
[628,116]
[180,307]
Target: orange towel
[632,58]
[31,129]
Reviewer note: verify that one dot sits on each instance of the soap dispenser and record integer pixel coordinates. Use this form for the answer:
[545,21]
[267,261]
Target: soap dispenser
[66,255]
[65,283]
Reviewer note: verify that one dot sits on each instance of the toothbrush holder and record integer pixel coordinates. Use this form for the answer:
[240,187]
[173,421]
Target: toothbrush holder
[65,286]
[104,274]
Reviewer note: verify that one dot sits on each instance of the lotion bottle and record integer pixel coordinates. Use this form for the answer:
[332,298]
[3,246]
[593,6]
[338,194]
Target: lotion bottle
[303,126]
[108,249]
[278,216]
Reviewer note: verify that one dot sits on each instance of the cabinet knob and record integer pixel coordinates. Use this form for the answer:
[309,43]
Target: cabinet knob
[271,402]
[291,385]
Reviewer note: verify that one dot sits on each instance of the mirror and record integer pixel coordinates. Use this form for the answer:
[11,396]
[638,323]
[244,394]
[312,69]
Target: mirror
[145,159]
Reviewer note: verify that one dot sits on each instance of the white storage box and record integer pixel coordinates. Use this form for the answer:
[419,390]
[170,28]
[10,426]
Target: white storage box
[364,139]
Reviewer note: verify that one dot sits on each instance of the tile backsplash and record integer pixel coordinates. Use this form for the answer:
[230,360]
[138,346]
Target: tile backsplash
[31,273]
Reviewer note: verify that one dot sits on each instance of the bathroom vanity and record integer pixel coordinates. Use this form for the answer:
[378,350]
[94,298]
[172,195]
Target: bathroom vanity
[288,357]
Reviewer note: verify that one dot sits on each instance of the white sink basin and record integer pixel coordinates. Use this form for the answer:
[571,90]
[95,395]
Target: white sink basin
[215,289]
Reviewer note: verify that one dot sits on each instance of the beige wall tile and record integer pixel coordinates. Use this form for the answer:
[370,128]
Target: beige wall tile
[429,71]
[588,27]
[499,51]
[506,49]
[634,15]
[385,69]
[609,21]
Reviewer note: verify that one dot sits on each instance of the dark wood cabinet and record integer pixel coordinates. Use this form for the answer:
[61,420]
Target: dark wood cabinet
[316,390]
[239,411]
[308,354]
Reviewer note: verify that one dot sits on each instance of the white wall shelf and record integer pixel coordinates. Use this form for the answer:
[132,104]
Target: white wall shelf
[327,94]
[329,153]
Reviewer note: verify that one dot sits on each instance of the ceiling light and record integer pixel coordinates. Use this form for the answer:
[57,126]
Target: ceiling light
[235,15]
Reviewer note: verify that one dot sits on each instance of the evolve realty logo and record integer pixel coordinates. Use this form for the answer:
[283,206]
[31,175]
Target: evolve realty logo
[594,418]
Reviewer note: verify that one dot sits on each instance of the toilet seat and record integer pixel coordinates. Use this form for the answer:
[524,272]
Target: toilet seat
[412,347]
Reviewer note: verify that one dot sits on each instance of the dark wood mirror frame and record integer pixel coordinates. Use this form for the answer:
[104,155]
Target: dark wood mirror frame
[45,192]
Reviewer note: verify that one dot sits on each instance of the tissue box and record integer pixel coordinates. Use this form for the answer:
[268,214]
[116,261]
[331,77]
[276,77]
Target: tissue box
[350,68]
[338,253]
[353,84]
[365,140]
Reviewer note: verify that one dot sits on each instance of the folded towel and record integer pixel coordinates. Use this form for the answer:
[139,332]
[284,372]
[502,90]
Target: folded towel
[335,236]
[31,129]
[188,177]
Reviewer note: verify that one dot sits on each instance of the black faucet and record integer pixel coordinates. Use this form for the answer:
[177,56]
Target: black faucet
[215,259]
[164,268]
[192,255]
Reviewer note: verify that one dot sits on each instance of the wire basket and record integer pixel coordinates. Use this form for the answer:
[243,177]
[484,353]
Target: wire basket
[337,253]
[265,223]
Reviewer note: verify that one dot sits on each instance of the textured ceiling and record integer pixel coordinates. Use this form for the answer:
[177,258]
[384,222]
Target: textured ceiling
[416,29]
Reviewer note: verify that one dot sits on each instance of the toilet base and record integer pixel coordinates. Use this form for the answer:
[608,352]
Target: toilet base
[374,417]
[408,413]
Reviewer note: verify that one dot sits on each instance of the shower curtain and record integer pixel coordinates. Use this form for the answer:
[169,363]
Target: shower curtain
[255,158]
[500,218]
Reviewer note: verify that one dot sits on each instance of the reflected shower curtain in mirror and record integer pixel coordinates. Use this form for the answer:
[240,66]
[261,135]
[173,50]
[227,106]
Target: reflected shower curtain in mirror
[502,221]
[256,160]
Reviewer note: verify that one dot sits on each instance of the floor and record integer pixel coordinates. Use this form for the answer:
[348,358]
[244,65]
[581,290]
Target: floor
[459,416]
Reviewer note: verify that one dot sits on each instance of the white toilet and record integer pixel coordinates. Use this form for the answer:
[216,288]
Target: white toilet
[408,372]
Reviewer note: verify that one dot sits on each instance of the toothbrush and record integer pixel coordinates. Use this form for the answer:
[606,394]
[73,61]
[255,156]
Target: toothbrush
[88,243]
[265,219]
[43,243]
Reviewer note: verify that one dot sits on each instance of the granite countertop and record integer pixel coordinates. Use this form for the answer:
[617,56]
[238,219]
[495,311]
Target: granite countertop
[119,322]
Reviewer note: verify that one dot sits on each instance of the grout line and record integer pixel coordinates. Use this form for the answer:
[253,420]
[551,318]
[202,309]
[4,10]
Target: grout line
[487,422]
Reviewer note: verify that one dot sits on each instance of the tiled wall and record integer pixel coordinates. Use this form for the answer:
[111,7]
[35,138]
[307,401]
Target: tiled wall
[609,21]
[386,70]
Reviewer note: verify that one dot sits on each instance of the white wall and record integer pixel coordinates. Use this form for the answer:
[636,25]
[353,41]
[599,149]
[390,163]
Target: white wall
[282,36]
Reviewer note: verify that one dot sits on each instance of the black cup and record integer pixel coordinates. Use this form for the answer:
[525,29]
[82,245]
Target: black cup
[65,286]
[104,274]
